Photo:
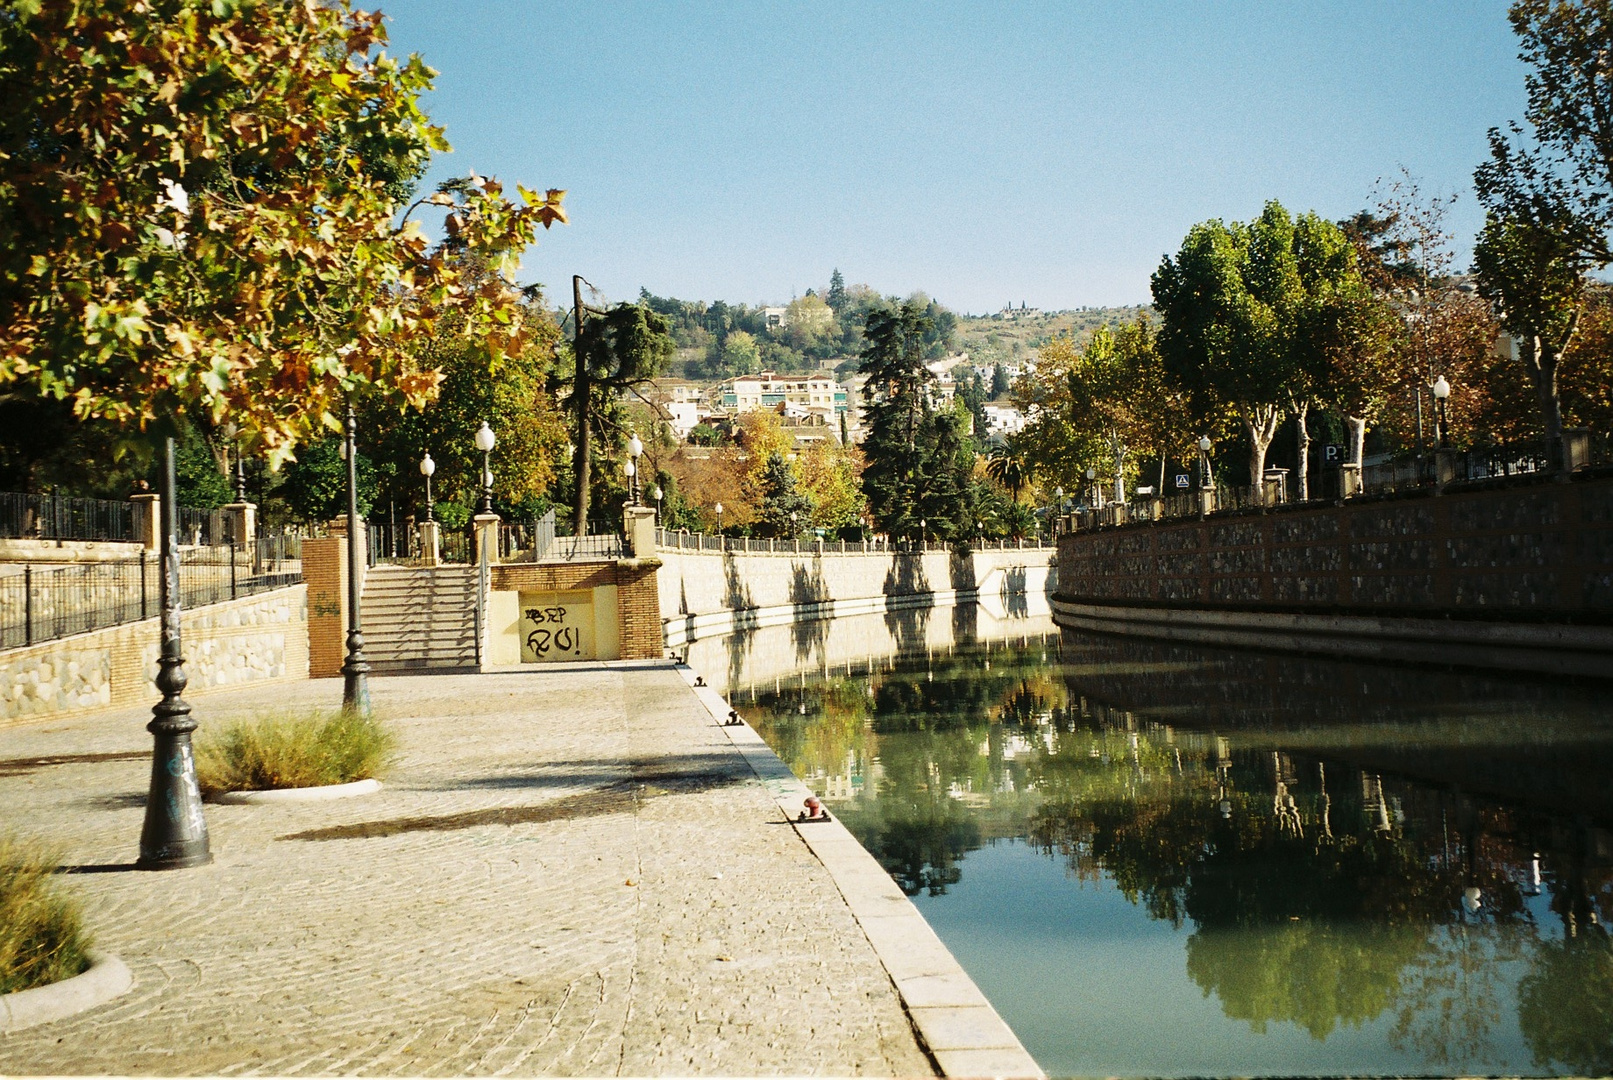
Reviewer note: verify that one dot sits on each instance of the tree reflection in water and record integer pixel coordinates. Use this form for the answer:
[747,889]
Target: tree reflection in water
[1317,889]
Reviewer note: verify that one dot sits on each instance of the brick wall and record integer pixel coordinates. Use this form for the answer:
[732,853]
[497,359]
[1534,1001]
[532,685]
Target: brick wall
[1505,553]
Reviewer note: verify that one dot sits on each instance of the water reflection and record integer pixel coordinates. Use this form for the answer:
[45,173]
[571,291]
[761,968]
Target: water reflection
[1364,869]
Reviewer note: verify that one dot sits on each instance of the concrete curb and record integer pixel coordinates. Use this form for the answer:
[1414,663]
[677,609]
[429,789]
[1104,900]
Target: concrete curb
[107,978]
[958,1026]
[305,794]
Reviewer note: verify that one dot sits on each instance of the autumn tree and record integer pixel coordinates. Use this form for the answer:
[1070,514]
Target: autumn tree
[831,474]
[200,207]
[1548,190]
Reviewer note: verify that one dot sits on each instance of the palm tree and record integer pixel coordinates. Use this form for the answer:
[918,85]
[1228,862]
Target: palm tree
[1006,465]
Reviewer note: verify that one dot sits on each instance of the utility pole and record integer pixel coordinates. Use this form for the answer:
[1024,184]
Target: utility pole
[579,397]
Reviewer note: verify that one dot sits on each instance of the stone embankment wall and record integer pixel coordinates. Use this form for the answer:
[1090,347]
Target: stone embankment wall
[1521,576]
[256,638]
[704,594]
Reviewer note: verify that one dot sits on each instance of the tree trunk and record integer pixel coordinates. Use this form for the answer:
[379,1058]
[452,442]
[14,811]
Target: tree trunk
[580,394]
[1541,360]
[1357,428]
[1302,475]
[1262,425]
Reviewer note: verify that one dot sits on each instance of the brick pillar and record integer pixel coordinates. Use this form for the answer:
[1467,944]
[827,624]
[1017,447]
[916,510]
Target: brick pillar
[638,604]
[324,568]
[243,519]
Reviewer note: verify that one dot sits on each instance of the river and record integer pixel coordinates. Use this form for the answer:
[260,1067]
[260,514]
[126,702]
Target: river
[1165,860]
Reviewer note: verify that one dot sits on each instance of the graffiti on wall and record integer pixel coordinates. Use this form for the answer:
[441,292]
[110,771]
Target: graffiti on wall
[557,626]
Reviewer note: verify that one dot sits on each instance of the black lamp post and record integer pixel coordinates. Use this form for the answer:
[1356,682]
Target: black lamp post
[1442,390]
[175,833]
[485,443]
[427,468]
[656,494]
[1204,463]
[355,669]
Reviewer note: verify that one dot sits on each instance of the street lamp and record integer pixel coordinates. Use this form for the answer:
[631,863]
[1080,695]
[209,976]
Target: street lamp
[355,669]
[427,469]
[656,493]
[1204,462]
[635,447]
[485,443]
[718,509]
[174,834]
[1442,390]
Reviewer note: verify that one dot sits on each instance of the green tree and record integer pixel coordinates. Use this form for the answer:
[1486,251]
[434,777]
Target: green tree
[784,509]
[1533,273]
[615,353]
[1244,309]
[200,215]
[999,382]
[316,483]
[836,297]
[896,413]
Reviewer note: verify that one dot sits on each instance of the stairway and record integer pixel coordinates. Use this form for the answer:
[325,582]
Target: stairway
[420,619]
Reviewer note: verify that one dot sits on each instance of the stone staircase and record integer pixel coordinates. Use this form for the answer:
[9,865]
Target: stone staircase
[420,619]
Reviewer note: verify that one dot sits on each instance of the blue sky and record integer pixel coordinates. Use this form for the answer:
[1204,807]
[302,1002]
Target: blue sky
[986,153]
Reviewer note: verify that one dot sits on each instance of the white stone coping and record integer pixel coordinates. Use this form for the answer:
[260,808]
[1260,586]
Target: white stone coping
[107,978]
[958,1025]
[303,794]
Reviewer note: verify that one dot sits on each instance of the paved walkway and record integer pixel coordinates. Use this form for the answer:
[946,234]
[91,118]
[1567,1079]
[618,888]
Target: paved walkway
[572,872]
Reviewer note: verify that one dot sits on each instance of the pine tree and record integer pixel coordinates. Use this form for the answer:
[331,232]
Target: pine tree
[785,510]
[836,297]
[897,413]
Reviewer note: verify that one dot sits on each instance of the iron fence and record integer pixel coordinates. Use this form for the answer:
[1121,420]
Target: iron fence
[58,517]
[43,603]
[683,540]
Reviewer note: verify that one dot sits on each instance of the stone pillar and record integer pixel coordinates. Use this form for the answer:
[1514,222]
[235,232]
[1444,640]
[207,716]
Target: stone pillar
[638,529]
[243,519]
[1576,448]
[485,528]
[1349,480]
[1444,466]
[430,542]
[148,520]
[1206,501]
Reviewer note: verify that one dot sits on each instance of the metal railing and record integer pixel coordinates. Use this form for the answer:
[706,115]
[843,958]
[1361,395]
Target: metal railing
[682,540]
[43,603]
[1430,472]
[58,517]
[545,540]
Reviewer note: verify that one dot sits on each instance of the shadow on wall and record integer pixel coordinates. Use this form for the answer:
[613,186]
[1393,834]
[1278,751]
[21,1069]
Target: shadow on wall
[906,581]
[809,629]
[1016,604]
[738,598]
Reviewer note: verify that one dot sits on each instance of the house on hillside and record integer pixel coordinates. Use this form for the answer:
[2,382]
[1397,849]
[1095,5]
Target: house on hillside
[815,398]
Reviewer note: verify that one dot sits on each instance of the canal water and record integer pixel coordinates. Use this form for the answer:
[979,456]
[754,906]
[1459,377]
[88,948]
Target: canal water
[1170,860]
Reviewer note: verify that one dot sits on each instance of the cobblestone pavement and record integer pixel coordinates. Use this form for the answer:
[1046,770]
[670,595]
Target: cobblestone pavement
[568,872]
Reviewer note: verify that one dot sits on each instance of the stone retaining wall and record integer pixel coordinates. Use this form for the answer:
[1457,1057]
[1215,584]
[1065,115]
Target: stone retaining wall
[710,593]
[1526,552]
[256,638]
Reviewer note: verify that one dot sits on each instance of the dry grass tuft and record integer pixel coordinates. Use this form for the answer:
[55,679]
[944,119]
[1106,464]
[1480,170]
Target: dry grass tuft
[290,751]
[42,937]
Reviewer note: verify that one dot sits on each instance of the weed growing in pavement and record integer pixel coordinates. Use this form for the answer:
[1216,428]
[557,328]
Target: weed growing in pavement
[42,937]
[290,751]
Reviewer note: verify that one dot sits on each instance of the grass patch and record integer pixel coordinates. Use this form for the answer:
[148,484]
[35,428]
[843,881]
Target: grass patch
[291,751]
[42,937]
